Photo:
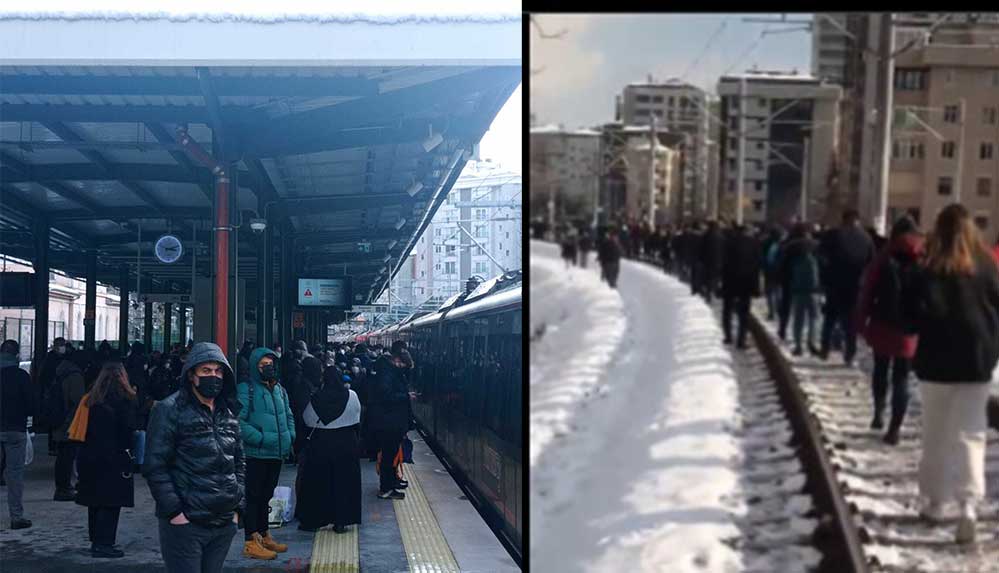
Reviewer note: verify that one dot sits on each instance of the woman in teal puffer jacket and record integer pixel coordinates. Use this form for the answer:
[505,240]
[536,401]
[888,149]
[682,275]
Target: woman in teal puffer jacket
[268,430]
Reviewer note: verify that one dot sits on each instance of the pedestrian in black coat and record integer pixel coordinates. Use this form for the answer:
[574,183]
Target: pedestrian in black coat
[740,280]
[17,402]
[846,253]
[390,415]
[710,254]
[105,459]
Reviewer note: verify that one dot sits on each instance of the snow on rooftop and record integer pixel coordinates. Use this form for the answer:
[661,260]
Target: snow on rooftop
[557,129]
[264,11]
[779,76]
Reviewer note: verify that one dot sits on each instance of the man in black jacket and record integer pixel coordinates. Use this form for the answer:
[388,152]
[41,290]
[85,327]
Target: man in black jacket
[18,402]
[710,256]
[389,408]
[846,252]
[740,281]
[195,465]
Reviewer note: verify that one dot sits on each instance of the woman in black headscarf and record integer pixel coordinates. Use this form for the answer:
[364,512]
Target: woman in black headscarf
[330,491]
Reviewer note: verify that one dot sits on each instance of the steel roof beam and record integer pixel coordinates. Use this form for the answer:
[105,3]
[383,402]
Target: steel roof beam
[117,172]
[214,114]
[63,191]
[253,86]
[163,136]
[109,113]
[113,213]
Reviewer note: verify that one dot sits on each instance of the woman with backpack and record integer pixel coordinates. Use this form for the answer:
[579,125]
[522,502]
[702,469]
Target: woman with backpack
[268,431]
[957,317]
[882,321]
[105,459]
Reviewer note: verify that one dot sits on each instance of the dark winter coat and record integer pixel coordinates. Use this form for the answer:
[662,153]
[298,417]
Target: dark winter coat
[610,251]
[268,428]
[847,252]
[18,399]
[886,339]
[139,379]
[388,401]
[958,320]
[194,456]
[711,252]
[741,273]
[69,375]
[104,461]
[790,252]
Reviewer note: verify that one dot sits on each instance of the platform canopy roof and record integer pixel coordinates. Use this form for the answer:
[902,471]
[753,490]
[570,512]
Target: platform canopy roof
[343,131]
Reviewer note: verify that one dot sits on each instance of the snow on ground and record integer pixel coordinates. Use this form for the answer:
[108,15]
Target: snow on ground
[647,478]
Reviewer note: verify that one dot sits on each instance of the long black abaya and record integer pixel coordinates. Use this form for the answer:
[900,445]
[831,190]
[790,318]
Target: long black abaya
[331,481]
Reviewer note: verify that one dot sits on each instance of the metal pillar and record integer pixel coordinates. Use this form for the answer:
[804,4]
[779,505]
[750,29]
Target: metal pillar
[167,319]
[90,308]
[886,71]
[741,167]
[652,172]
[123,311]
[960,151]
[41,333]
[268,283]
[804,181]
[262,276]
[147,322]
[288,288]
[221,262]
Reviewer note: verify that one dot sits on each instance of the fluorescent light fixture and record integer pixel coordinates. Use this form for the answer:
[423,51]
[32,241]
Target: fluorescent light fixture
[414,188]
[432,142]
[400,223]
[258,225]
[392,244]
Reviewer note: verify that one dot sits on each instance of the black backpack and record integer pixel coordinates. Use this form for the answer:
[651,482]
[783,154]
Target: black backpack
[894,300]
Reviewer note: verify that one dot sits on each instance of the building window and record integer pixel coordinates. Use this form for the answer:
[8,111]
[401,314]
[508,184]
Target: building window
[945,185]
[437,249]
[984,187]
[449,267]
[683,102]
[947,150]
[949,77]
[657,112]
[910,79]
[508,252]
[508,234]
[985,151]
[669,115]
[423,274]
[758,205]
[763,102]
[477,251]
[642,98]
[480,214]
[950,114]
[657,99]
[437,267]
[641,112]
[731,185]
[481,268]
[480,231]
[760,145]
[437,231]
[449,249]
[982,221]
[759,186]
[995,78]
[989,115]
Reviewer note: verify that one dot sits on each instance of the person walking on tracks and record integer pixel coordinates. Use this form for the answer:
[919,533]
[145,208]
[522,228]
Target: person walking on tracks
[957,313]
[195,464]
[740,281]
[105,459]
[847,252]
[268,431]
[610,258]
[882,320]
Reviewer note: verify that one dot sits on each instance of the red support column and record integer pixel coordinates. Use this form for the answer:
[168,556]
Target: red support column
[222,229]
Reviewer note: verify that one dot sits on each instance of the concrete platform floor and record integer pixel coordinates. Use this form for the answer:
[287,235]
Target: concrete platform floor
[57,542]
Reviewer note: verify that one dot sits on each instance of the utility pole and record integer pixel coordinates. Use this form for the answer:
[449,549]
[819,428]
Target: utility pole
[804,181]
[884,107]
[652,172]
[960,153]
[741,167]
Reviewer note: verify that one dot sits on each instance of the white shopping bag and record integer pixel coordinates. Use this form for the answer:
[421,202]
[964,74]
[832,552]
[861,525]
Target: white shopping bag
[289,508]
[29,449]
[278,507]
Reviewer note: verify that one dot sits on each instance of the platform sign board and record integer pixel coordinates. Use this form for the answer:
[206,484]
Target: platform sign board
[166,297]
[325,292]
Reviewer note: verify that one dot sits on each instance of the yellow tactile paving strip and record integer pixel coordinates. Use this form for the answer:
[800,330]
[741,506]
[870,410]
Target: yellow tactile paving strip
[335,553]
[426,548]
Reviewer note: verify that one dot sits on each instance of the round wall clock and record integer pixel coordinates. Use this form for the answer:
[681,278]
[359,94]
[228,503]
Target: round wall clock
[169,249]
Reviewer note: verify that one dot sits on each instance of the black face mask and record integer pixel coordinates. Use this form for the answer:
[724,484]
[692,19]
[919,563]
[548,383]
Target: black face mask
[268,372]
[210,386]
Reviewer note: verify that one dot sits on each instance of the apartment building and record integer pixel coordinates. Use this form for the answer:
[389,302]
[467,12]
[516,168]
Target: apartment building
[945,133]
[565,168]
[677,107]
[782,111]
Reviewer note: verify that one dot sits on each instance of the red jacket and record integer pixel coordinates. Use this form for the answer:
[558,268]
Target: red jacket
[995,252]
[886,339]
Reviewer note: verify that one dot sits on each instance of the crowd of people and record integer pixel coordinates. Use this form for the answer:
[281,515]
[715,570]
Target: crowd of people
[210,441]
[927,304]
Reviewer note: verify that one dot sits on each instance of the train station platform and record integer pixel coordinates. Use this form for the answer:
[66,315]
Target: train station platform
[435,529]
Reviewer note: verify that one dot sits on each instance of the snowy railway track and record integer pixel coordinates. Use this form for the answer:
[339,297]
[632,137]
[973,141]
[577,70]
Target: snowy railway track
[879,482]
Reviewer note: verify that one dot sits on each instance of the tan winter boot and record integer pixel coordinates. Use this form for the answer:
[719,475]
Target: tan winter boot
[254,550]
[270,543]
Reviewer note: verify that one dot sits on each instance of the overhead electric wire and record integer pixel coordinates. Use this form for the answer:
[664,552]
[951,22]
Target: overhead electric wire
[707,46]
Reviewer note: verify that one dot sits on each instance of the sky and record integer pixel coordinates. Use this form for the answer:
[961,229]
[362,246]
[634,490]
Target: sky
[575,78]
[504,140]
